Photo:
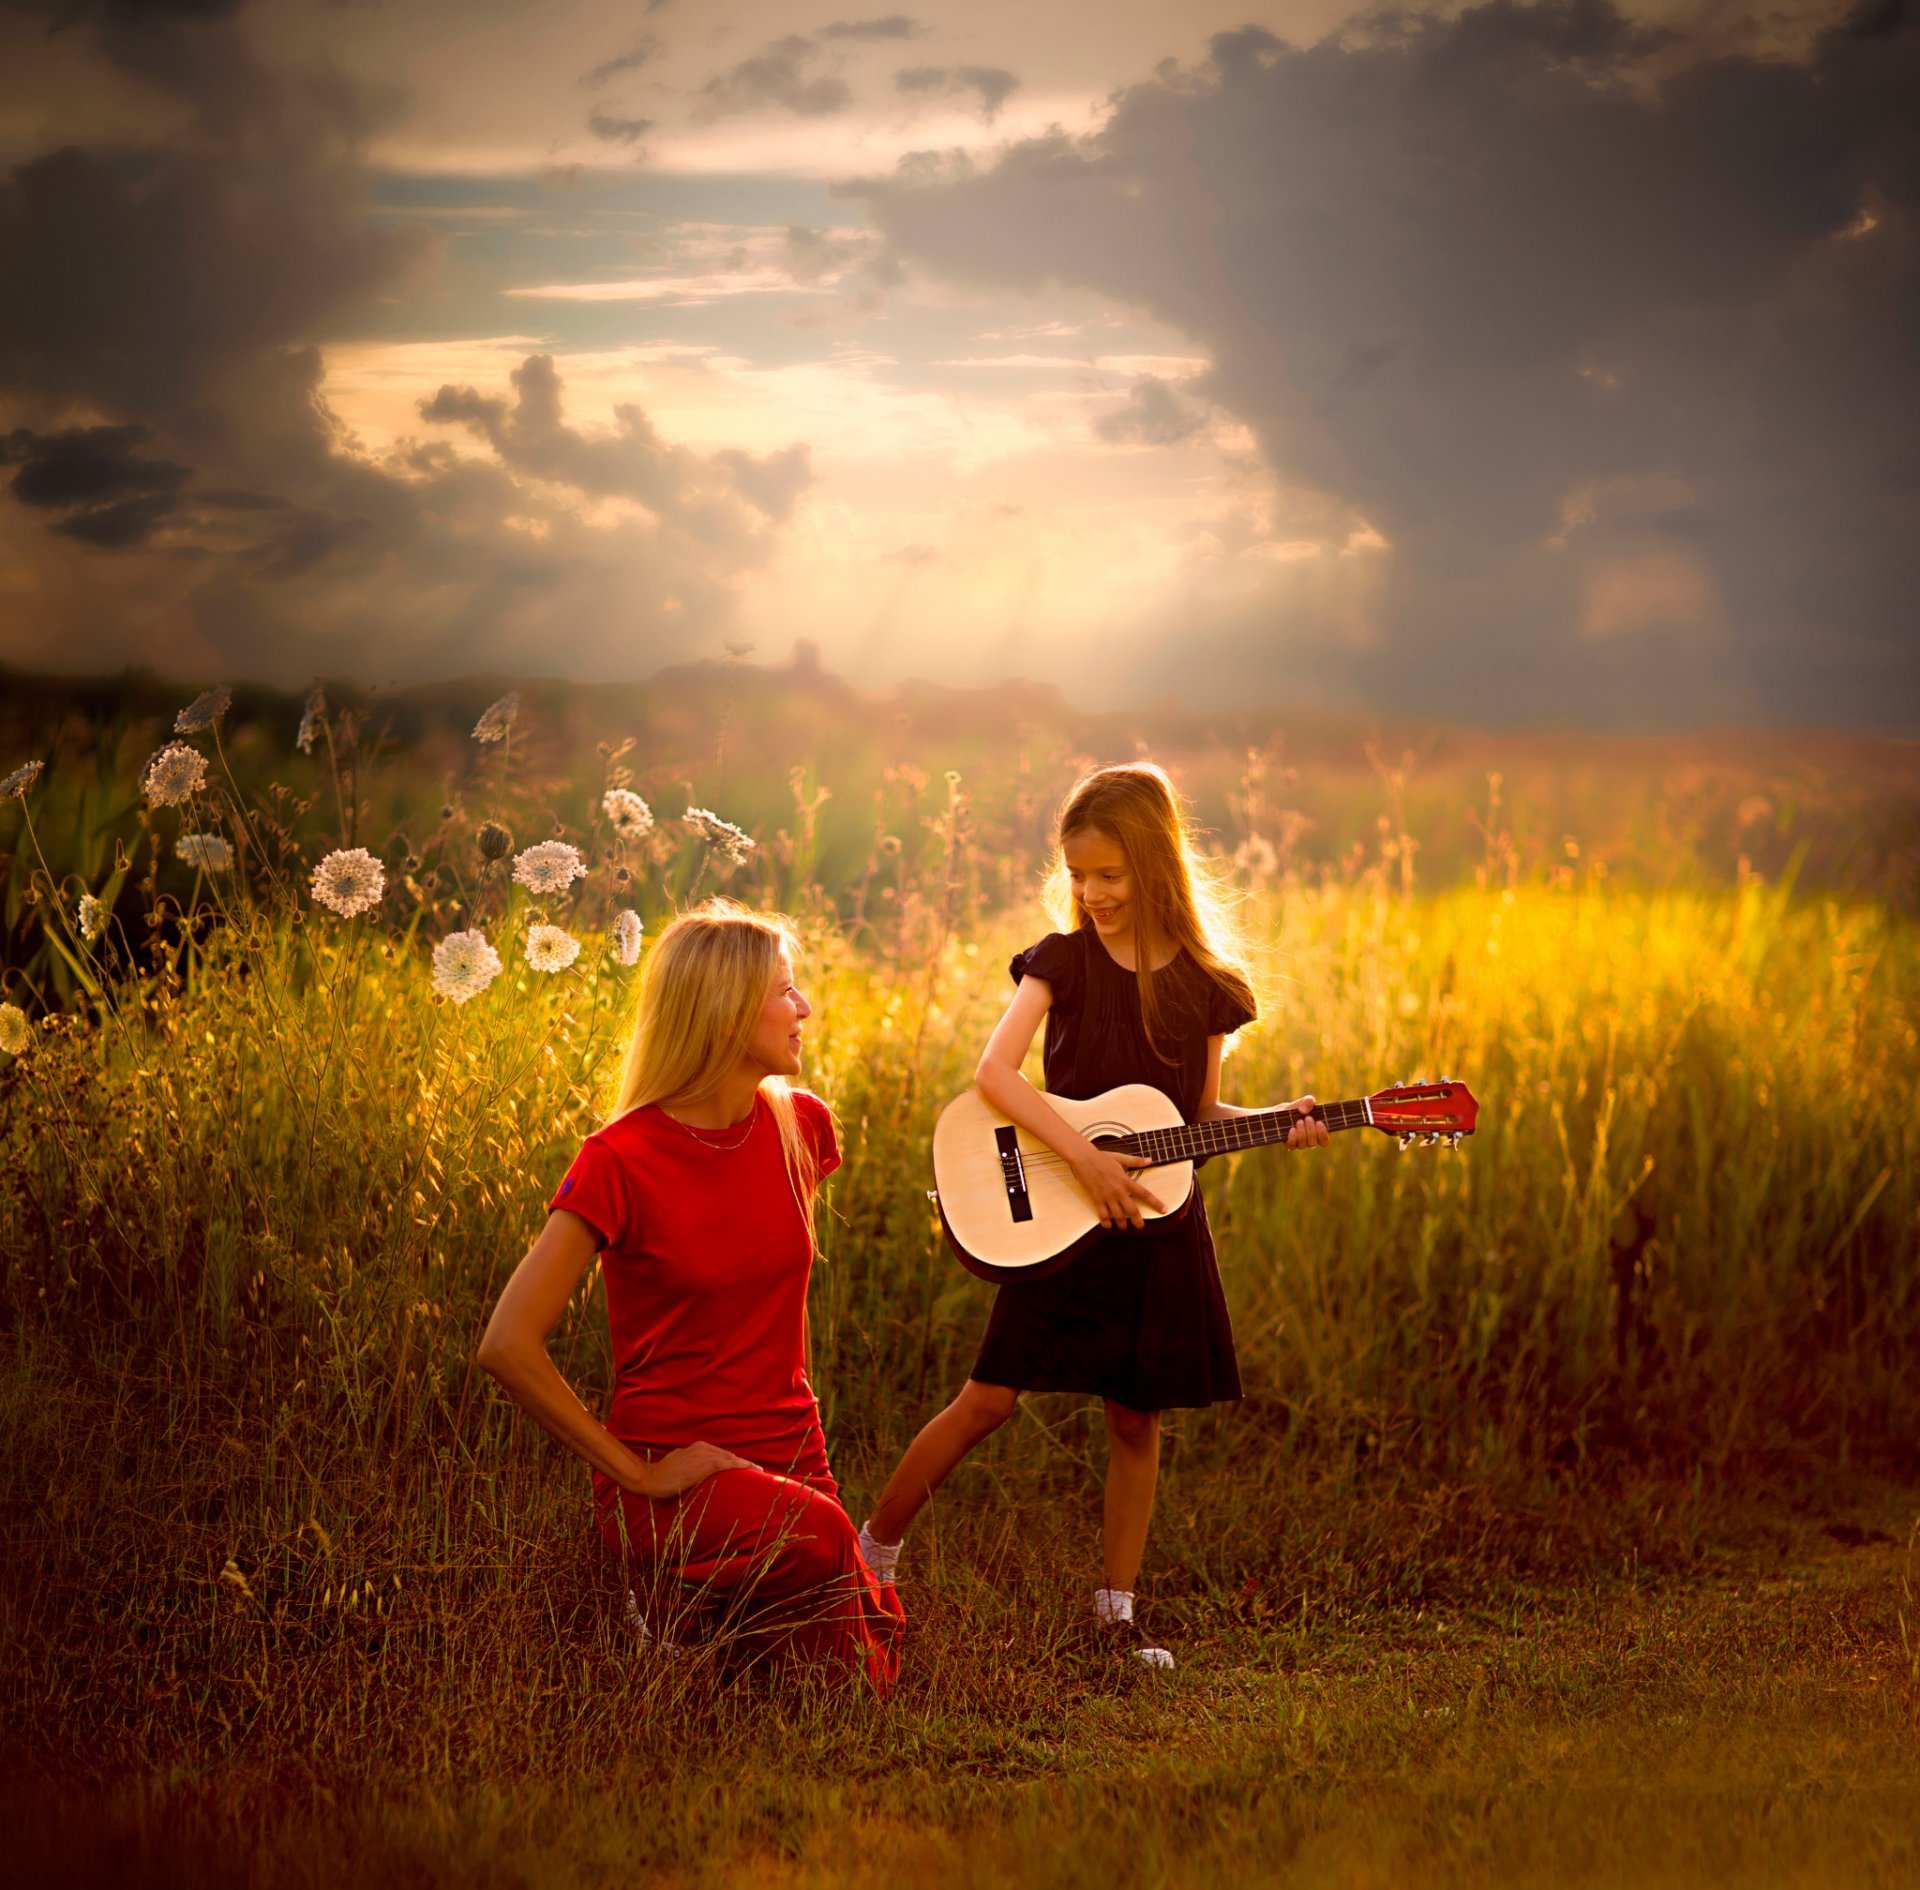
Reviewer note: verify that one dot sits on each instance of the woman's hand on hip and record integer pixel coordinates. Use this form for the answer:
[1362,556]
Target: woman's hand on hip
[687,1468]
[1111,1188]
[1309,1131]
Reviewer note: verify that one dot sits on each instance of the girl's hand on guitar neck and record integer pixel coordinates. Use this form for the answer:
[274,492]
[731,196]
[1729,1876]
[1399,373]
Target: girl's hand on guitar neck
[1309,1131]
[1110,1186]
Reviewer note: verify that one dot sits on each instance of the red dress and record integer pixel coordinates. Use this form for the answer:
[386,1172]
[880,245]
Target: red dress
[706,1254]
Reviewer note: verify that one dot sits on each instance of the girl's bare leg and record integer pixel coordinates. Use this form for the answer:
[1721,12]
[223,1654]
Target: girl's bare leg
[1133,1469]
[976,1413]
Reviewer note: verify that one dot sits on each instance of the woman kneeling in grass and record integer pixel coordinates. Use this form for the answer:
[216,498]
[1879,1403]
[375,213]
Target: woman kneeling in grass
[699,1191]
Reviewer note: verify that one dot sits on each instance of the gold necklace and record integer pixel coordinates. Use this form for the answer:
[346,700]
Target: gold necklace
[701,1135]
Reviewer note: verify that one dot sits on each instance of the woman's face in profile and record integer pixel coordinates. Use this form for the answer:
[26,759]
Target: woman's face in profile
[776,1044]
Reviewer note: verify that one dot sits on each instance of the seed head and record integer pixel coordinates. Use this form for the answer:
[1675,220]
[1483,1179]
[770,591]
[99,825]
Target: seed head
[551,949]
[464,964]
[349,881]
[203,711]
[629,816]
[496,720]
[549,867]
[626,937]
[494,840]
[208,851]
[174,775]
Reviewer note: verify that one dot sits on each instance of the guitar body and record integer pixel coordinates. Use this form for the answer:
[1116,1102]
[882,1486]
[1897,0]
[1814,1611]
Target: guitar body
[1012,1208]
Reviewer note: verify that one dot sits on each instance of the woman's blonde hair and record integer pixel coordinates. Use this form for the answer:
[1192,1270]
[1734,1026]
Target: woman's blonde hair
[1177,891]
[702,989]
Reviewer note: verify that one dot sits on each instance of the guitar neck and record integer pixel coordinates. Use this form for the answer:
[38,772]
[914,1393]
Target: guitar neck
[1192,1140]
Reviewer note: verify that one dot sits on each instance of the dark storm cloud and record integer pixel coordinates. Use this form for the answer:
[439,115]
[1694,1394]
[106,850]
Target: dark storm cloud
[991,85]
[629,61]
[1154,415]
[781,75]
[616,130]
[177,289]
[893,26]
[1484,279]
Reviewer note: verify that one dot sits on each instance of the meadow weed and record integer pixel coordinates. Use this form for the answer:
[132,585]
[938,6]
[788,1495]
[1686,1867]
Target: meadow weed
[293,1067]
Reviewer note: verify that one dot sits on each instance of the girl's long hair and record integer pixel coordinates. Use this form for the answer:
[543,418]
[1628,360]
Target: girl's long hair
[1178,893]
[702,990]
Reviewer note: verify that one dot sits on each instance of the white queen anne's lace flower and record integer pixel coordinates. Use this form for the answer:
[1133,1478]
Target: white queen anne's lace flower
[208,851]
[551,949]
[550,867]
[629,816]
[16,1034]
[497,718]
[91,917]
[175,774]
[14,787]
[203,711]
[349,881]
[732,843]
[464,964]
[626,937]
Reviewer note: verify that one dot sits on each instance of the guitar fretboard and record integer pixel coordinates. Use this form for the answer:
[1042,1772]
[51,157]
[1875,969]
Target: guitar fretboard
[1192,1140]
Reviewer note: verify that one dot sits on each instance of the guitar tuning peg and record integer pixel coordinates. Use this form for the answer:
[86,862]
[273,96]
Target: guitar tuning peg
[1457,1137]
[1406,1141]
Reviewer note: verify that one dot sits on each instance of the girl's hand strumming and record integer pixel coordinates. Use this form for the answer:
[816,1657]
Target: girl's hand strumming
[1309,1131]
[1115,1195]
[688,1467]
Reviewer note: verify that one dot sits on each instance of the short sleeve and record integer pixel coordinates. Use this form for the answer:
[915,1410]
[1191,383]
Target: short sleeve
[1226,1013]
[596,1189]
[1055,959]
[816,1124]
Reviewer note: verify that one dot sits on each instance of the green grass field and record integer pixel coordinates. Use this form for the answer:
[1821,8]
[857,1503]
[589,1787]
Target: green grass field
[1564,1534]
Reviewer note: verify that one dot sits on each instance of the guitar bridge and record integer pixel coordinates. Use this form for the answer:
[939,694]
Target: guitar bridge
[1013,1171]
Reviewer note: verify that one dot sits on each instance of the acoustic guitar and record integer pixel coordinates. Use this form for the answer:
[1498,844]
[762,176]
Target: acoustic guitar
[1013,1210]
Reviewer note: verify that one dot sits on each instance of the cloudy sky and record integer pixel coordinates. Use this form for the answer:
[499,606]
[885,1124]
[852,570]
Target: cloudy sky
[1521,362]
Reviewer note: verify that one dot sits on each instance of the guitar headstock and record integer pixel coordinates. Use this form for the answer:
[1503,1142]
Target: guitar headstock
[1441,1112]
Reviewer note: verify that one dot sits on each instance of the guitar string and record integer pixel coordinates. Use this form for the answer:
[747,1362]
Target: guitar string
[1336,1115]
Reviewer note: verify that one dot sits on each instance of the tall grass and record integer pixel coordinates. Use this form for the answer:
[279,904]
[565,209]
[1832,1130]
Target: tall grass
[258,1188]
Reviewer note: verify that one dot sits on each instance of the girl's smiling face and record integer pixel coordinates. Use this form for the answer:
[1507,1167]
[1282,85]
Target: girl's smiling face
[1102,882]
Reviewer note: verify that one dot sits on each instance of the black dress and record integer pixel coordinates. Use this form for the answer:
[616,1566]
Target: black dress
[1135,1317]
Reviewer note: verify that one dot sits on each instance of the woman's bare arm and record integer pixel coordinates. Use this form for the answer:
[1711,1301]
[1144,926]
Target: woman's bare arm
[514,1350]
[1112,1190]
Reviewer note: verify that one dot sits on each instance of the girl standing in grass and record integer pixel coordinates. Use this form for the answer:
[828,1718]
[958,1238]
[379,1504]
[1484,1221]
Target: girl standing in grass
[699,1193]
[1143,988]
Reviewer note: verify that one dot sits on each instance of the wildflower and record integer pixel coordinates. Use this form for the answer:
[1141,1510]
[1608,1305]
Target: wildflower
[310,719]
[622,879]
[464,964]
[349,881]
[1256,858]
[550,867]
[630,817]
[91,917]
[208,851]
[732,843]
[551,949]
[14,787]
[494,724]
[16,1034]
[203,711]
[175,774]
[495,841]
[626,937]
